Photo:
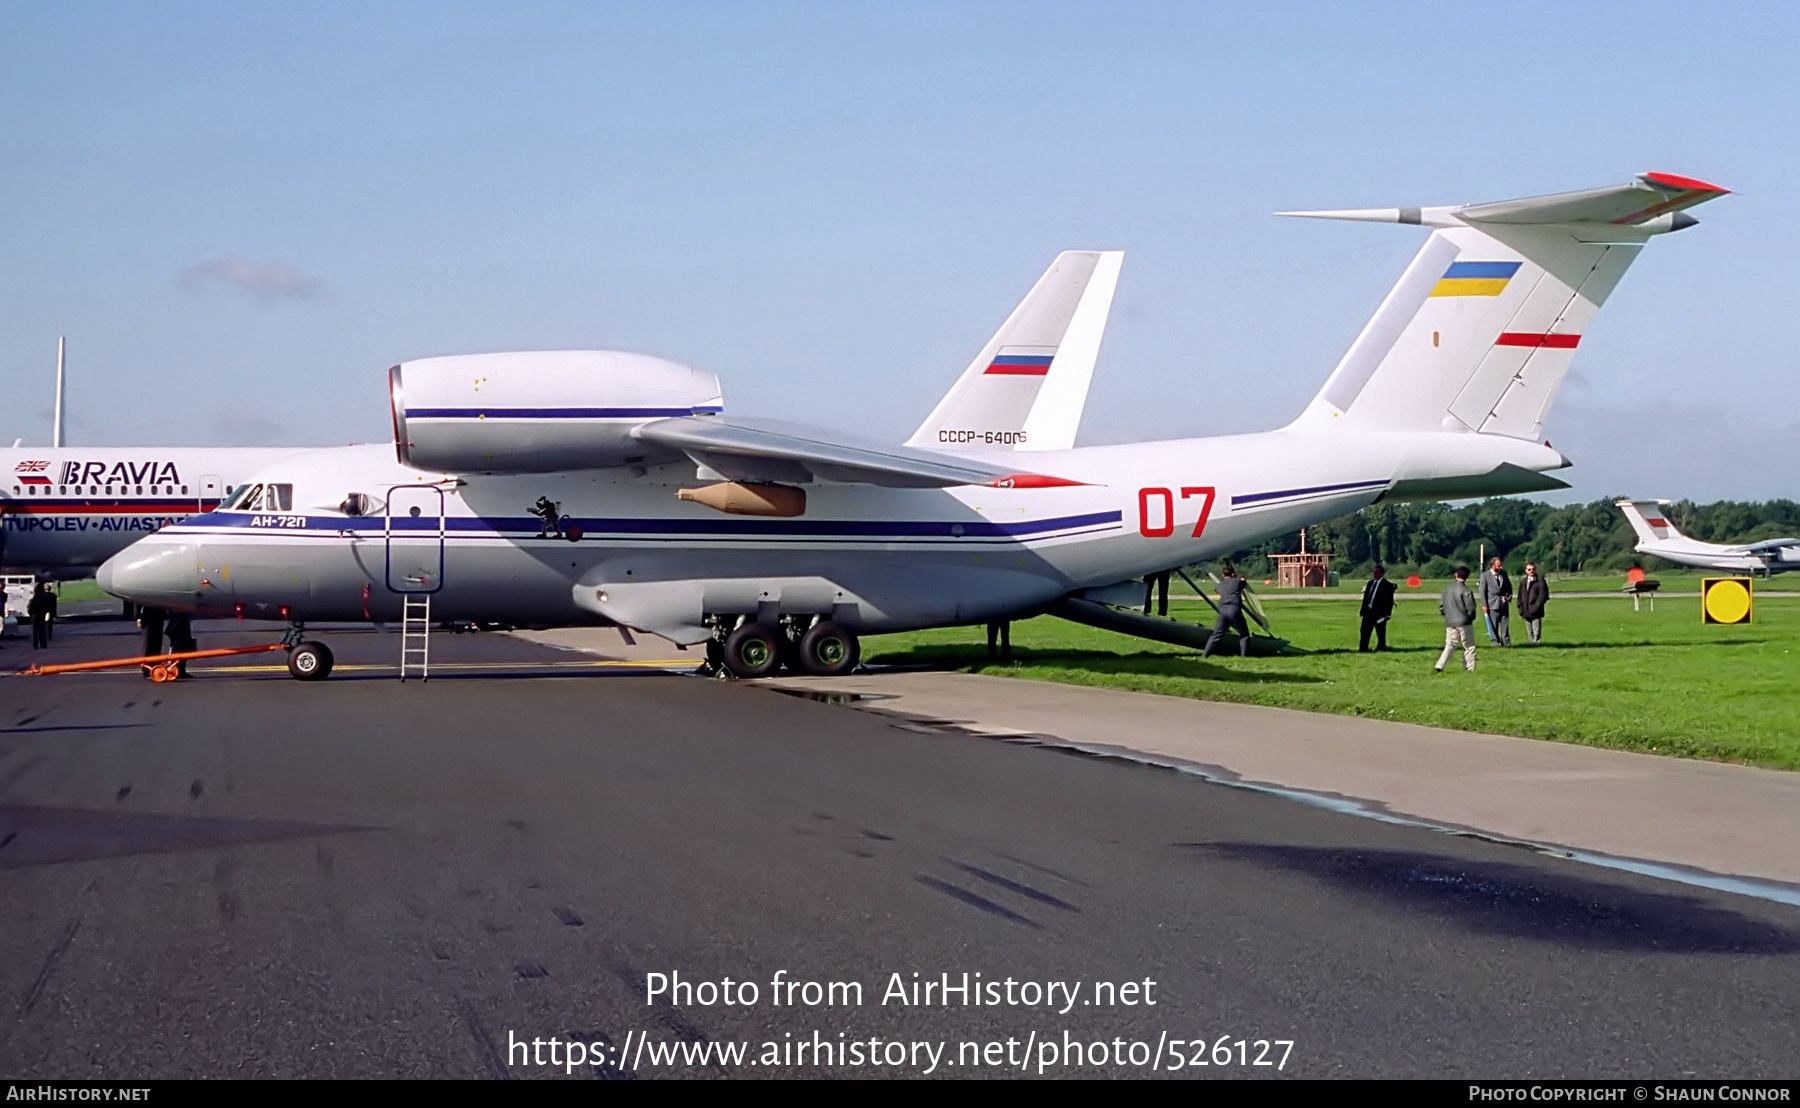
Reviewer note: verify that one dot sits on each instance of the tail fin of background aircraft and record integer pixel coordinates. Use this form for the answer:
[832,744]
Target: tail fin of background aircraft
[1647,519]
[1027,387]
[1481,328]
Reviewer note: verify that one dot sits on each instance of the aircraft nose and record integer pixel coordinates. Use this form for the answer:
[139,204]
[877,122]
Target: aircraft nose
[155,573]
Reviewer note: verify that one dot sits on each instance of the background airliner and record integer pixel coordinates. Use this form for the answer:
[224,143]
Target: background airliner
[599,487]
[1657,536]
[65,511]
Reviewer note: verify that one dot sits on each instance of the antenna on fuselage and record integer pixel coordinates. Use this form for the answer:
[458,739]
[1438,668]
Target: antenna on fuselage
[56,426]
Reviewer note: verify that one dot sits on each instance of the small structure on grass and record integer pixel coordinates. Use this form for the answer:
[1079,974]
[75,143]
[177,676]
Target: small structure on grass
[1305,570]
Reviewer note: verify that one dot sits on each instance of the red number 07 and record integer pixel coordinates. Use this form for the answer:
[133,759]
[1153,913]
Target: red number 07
[1164,517]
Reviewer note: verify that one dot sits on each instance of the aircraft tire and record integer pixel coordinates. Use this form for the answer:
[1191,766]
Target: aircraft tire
[828,650]
[753,651]
[310,661]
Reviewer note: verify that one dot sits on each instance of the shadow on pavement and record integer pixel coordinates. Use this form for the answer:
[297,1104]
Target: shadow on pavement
[1513,901]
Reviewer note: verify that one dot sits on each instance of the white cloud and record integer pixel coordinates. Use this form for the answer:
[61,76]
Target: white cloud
[268,282]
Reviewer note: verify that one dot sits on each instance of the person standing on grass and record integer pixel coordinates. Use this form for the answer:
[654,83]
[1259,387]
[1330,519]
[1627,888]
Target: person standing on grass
[1496,600]
[1377,606]
[1534,593]
[1458,606]
[1231,612]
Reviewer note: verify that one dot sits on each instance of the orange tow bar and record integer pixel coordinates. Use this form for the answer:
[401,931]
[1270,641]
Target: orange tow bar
[162,667]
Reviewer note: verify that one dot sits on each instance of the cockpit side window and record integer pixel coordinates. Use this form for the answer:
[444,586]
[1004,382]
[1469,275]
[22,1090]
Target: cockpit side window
[247,498]
[271,497]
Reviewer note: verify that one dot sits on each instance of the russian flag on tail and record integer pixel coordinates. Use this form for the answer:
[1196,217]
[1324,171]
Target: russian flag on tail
[1020,365]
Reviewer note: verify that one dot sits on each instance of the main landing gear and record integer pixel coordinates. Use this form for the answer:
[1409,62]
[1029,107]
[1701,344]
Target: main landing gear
[307,661]
[817,649]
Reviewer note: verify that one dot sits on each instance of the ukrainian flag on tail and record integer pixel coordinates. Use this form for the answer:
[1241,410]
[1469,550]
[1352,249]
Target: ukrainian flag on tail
[1475,279]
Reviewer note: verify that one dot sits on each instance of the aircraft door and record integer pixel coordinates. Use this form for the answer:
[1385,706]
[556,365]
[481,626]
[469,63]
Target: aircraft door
[211,491]
[414,537]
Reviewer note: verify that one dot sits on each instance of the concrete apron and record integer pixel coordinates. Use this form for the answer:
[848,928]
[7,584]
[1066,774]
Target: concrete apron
[1718,820]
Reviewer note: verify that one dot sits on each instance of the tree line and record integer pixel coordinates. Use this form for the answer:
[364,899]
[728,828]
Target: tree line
[1433,539]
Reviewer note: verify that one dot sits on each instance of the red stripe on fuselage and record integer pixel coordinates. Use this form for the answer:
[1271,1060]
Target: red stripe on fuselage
[1526,338]
[1005,369]
[27,508]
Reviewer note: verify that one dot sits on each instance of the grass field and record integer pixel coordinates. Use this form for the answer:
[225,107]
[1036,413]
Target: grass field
[1605,676]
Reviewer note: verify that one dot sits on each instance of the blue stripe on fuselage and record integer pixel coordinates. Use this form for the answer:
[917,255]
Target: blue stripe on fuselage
[595,528]
[1316,490]
[558,413]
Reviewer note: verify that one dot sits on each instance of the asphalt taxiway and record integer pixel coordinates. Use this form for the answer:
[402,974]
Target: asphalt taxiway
[245,875]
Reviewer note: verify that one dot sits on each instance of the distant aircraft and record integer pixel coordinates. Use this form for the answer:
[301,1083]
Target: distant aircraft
[605,488]
[1657,536]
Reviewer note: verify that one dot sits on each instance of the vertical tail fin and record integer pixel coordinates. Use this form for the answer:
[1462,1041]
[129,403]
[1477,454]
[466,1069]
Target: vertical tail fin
[1647,519]
[1479,332]
[1027,387]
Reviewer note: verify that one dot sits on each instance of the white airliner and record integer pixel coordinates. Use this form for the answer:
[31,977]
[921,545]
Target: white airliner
[64,511]
[607,488]
[1657,536]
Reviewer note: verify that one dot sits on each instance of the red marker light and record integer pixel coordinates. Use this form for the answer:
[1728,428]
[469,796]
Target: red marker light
[1032,481]
[1414,581]
[1634,574]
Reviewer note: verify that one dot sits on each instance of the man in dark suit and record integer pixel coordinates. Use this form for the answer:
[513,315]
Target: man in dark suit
[1377,606]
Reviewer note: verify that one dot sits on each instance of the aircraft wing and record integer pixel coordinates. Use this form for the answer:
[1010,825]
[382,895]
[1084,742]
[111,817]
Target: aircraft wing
[1765,545]
[781,453]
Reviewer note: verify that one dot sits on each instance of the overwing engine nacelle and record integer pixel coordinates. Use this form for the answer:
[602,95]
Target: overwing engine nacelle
[540,411]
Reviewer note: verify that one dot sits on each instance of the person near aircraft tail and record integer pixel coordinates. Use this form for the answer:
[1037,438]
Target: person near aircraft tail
[1534,593]
[1230,591]
[1496,602]
[39,610]
[1377,606]
[1458,606]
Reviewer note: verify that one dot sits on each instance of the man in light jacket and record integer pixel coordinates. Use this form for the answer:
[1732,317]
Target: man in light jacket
[1458,606]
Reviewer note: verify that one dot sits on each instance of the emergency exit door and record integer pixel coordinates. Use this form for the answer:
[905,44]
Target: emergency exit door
[414,537]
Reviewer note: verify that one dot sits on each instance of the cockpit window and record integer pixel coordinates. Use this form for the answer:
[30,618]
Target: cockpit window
[260,498]
[241,500]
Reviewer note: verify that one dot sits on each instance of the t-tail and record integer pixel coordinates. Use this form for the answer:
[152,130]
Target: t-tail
[1479,333]
[1649,521]
[1027,387]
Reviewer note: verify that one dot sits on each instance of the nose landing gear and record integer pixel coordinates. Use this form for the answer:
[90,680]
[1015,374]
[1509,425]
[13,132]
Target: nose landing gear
[307,661]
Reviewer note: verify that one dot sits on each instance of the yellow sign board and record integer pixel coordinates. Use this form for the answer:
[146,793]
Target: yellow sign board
[1725,600]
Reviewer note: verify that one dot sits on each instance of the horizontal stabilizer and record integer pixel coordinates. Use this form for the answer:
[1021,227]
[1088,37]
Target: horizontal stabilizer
[1650,202]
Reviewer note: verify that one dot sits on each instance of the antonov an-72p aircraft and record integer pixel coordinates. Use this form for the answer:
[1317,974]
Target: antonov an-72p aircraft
[1656,535]
[607,488]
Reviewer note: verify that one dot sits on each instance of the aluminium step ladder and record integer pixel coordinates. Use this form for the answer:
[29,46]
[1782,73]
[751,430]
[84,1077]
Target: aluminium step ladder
[415,636]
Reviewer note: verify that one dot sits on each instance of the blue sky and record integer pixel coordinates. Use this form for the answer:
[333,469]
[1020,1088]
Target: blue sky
[242,214]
